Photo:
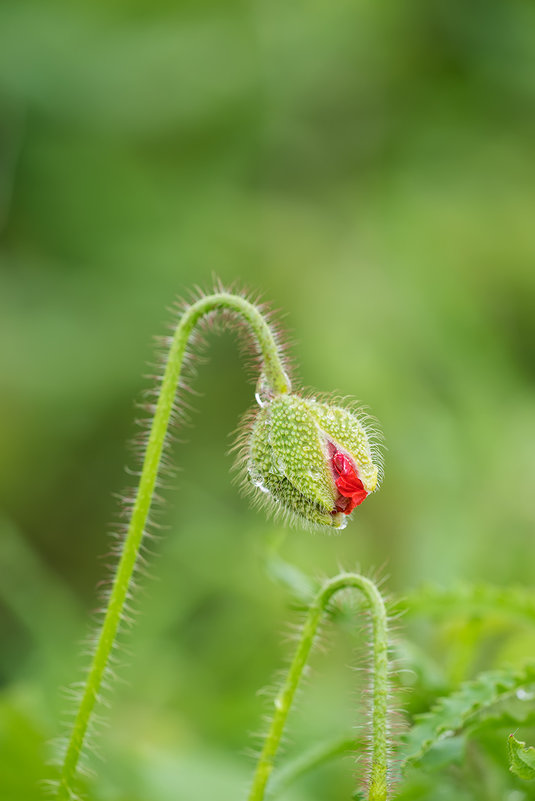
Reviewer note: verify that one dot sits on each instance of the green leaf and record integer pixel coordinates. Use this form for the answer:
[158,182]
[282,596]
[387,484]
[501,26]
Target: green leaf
[452,713]
[521,758]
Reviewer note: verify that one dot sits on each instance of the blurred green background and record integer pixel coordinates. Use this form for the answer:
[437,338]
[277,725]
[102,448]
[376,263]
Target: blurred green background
[369,168]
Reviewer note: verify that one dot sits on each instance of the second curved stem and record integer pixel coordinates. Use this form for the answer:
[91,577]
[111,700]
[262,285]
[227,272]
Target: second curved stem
[378,776]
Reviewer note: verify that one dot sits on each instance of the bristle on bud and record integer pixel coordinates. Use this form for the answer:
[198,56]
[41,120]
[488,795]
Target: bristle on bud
[312,460]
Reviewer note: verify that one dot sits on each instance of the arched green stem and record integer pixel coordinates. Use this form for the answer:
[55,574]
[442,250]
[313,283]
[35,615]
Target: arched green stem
[378,777]
[278,383]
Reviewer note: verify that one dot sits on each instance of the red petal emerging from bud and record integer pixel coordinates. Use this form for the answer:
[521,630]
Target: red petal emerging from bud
[349,485]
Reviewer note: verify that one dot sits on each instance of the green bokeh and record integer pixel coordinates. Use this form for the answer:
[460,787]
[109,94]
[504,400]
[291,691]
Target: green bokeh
[370,170]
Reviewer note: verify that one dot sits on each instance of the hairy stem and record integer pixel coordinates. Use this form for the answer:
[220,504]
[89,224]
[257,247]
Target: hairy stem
[378,775]
[278,383]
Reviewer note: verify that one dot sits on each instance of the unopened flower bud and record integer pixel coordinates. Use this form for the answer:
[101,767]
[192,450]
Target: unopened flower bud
[313,460]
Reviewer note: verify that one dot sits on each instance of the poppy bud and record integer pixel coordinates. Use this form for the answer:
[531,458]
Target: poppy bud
[312,460]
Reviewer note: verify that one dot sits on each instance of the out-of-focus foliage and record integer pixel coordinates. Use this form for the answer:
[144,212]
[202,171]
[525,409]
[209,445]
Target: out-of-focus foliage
[370,169]
[450,715]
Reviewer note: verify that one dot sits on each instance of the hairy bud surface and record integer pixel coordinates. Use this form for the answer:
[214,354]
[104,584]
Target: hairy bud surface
[312,459]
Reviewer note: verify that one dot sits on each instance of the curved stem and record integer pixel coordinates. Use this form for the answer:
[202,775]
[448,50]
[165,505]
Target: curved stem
[278,382]
[377,780]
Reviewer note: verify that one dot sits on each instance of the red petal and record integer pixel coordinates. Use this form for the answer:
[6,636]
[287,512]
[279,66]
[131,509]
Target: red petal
[348,483]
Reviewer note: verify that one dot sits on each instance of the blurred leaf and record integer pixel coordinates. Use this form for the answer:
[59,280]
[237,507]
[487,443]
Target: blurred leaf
[470,600]
[289,576]
[449,751]
[23,766]
[309,760]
